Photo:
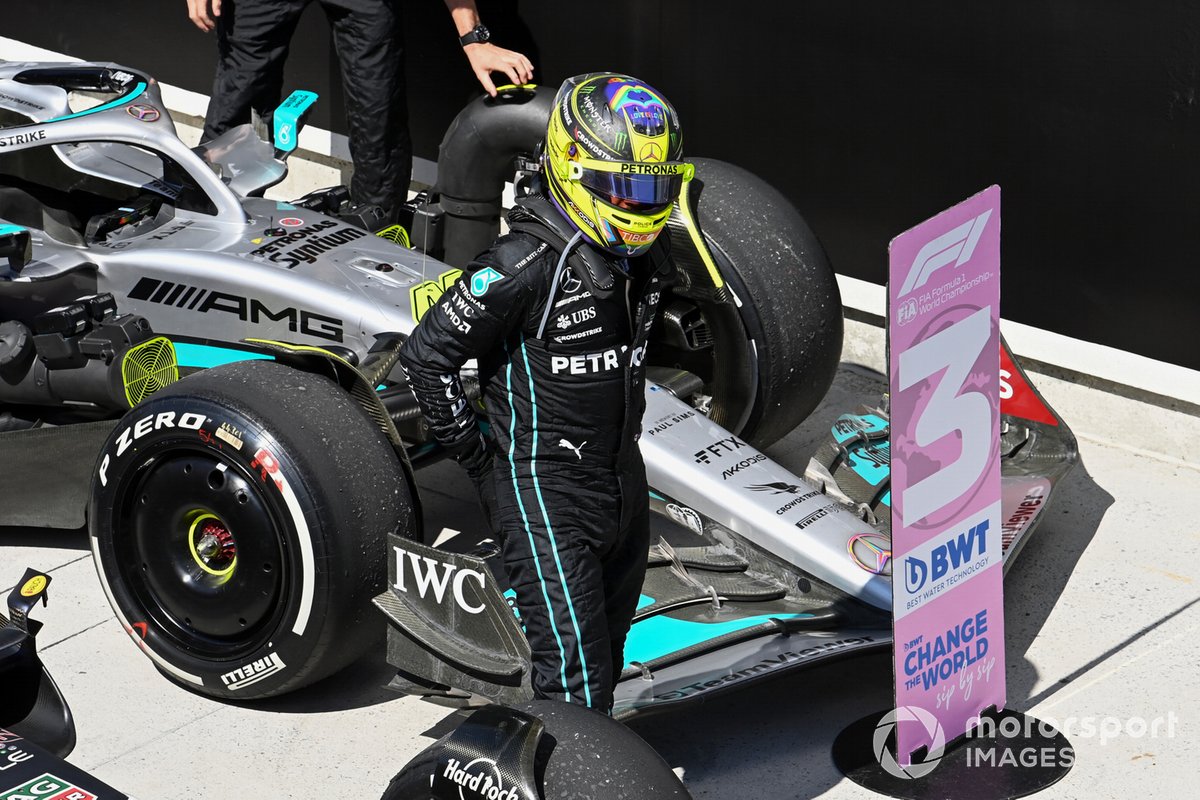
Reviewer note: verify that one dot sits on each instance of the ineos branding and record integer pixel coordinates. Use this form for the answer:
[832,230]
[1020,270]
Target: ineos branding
[596,362]
[438,576]
[1027,510]
[151,422]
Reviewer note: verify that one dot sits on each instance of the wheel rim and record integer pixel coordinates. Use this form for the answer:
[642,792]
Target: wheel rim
[203,551]
[717,326]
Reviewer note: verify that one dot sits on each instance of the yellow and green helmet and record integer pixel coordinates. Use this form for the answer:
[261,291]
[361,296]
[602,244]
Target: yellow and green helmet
[612,160]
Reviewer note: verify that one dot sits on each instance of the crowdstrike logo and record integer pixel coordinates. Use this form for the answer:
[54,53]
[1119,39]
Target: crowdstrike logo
[887,726]
[955,247]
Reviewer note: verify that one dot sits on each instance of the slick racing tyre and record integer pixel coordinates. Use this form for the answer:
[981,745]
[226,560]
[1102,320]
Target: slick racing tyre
[767,346]
[238,521]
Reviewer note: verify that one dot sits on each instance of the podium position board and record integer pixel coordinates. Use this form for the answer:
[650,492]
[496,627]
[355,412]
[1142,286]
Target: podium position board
[944,363]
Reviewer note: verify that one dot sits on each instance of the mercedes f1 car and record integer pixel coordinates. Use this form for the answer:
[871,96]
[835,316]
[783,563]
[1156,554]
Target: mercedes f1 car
[246,517]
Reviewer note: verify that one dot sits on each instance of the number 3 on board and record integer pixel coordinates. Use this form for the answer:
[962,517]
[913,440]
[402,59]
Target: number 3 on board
[950,409]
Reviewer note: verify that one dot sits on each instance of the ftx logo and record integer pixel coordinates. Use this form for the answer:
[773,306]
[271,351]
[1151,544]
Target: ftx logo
[718,449]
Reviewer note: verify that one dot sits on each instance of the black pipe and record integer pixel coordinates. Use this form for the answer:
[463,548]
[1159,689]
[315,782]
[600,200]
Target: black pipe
[476,158]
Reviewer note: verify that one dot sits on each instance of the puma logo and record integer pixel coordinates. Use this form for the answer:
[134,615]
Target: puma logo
[569,446]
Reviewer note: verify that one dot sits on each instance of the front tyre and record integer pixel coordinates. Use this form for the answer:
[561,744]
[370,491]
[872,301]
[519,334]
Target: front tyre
[767,346]
[238,521]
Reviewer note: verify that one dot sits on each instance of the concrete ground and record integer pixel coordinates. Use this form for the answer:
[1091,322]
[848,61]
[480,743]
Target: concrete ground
[1102,619]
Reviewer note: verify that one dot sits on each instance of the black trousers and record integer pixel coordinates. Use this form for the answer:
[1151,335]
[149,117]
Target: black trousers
[253,38]
[575,553]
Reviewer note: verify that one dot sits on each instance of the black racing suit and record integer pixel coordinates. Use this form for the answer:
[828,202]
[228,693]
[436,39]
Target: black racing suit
[564,409]
[252,44]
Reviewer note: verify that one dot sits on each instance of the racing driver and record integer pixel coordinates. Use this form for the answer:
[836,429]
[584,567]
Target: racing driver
[557,314]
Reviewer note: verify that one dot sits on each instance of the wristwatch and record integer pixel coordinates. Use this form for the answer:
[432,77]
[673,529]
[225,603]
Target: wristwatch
[477,35]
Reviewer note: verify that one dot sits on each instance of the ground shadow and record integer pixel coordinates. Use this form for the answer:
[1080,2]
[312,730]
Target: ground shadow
[51,538]
[1036,581]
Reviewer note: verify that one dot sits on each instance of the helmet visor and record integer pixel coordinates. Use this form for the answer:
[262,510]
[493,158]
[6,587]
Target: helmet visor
[647,192]
[634,185]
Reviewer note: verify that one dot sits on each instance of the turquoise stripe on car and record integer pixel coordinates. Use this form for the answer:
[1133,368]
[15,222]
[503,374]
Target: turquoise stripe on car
[587,691]
[205,356]
[660,635]
[122,100]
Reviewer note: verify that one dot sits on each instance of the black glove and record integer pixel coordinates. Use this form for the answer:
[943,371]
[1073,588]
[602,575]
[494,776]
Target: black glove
[475,456]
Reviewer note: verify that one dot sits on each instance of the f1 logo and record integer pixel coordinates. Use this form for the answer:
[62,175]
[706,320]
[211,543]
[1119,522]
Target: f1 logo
[957,246]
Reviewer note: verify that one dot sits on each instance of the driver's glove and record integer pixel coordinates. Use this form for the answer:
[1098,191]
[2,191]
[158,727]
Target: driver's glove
[475,456]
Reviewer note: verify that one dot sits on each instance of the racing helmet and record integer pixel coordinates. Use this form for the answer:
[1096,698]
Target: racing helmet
[612,160]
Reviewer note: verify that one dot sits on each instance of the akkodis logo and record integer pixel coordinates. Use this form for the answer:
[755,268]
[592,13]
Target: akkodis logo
[887,759]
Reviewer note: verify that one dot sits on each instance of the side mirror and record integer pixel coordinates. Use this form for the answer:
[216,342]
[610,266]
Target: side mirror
[16,245]
[289,119]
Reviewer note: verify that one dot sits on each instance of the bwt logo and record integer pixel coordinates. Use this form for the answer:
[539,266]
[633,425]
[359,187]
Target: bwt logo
[945,557]
[957,246]
[718,449]
[438,576]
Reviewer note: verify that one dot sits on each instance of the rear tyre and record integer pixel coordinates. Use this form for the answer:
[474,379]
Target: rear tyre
[768,353]
[238,520]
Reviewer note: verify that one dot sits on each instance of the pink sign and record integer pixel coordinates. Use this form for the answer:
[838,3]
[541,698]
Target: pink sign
[944,365]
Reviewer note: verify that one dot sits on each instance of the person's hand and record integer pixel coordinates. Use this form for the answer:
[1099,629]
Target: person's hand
[487,58]
[476,458]
[201,12]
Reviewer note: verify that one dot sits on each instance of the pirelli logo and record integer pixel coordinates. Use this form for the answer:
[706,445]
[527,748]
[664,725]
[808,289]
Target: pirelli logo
[246,309]
[253,672]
